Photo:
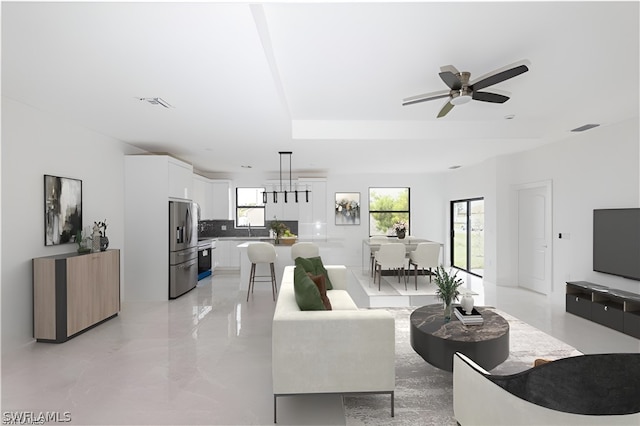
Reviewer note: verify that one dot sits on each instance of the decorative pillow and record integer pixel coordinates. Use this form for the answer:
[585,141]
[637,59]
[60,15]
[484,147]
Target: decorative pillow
[319,281]
[315,266]
[540,361]
[307,293]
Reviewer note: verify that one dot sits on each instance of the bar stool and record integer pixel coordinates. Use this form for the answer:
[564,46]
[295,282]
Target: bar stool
[262,253]
[305,250]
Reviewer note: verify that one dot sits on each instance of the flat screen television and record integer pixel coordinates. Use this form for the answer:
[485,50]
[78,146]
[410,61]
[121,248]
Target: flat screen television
[616,242]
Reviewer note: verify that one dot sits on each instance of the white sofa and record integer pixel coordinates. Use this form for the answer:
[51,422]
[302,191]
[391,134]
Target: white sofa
[610,382]
[345,350]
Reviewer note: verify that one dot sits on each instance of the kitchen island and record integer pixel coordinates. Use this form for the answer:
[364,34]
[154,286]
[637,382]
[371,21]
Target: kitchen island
[328,253]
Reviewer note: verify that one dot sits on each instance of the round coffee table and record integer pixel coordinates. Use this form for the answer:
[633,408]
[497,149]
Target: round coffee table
[436,341]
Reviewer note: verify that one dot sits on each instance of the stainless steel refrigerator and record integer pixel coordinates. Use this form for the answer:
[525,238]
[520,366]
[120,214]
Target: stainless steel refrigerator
[183,247]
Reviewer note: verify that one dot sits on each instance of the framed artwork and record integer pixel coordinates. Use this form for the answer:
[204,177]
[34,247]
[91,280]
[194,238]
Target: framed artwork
[347,208]
[62,210]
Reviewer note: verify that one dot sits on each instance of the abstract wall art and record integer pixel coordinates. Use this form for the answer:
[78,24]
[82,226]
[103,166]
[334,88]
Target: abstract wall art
[62,209]
[347,208]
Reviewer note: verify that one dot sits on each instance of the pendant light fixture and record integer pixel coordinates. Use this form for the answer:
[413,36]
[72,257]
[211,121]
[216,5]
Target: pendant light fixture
[282,189]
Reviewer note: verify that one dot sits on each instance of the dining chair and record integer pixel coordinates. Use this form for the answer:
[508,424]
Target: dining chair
[390,256]
[305,250]
[376,241]
[262,252]
[425,256]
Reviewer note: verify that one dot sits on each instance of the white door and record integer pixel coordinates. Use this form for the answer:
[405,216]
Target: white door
[534,238]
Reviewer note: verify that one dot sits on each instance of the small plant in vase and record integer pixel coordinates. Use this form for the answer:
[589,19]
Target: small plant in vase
[82,243]
[279,230]
[400,229]
[447,291]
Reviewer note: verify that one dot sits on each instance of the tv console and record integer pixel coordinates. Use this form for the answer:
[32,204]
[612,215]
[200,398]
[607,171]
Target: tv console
[613,308]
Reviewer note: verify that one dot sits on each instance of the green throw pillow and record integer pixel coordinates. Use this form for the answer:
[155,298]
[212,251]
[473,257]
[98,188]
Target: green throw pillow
[307,293]
[315,266]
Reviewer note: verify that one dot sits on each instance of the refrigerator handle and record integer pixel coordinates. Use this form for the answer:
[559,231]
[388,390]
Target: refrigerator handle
[188,226]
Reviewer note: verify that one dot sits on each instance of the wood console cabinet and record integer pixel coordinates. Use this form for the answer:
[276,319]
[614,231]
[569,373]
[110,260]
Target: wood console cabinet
[613,308]
[72,293]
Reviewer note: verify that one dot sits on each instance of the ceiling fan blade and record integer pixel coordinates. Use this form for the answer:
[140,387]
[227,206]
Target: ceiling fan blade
[448,74]
[500,75]
[489,97]
[425,97]
[445,109]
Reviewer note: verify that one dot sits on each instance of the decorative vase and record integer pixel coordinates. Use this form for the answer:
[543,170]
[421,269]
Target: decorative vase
[104,243]
[467,303]
[95,244]
[448,307]
[400,234]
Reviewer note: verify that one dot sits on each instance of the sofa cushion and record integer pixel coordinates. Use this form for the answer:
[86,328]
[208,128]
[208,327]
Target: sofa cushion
[319,281]
[307,293]
[315,266]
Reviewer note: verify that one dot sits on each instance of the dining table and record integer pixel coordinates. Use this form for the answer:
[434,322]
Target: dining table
[369,247]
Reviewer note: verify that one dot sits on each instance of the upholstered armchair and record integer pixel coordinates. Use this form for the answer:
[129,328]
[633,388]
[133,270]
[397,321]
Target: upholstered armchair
[600,389]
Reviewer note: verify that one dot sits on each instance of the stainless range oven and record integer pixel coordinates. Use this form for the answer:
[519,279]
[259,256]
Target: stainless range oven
[205,257]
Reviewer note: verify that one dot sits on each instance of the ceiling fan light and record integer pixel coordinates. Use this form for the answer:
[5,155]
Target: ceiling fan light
[460,99]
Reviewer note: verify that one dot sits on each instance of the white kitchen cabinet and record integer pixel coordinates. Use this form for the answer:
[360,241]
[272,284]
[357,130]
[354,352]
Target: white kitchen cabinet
[222,252]
[312,219]
[221,208]
[203,195]
[180,178]
[150,181]
[228,253]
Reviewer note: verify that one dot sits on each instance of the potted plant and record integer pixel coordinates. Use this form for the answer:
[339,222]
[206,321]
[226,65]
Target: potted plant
[400,229]
[447,291]
[82,246]
[278,228]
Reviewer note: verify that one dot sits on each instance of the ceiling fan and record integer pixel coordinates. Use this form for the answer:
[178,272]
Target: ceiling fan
[461,90]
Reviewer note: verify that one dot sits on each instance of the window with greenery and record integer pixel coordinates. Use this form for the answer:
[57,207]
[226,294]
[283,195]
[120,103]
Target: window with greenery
[388,206]
[467,235]
[249,207]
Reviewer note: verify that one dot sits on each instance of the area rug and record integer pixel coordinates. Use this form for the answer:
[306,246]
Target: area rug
[424,394]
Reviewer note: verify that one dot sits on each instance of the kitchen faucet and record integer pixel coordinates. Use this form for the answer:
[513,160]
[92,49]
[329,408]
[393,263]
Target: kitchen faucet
[249,228]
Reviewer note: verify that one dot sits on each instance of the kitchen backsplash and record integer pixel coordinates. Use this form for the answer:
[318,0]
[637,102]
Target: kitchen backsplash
[226,228]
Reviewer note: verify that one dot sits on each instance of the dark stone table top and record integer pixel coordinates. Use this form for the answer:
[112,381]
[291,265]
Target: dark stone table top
[430,319]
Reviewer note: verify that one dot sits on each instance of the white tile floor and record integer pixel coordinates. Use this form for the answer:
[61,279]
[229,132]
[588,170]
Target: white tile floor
[205,359]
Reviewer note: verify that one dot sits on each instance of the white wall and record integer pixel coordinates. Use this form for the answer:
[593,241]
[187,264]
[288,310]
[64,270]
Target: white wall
[35,144]
[427,209]
[595,169]
[473,182]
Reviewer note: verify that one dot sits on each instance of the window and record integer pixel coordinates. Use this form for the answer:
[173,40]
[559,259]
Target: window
[249,207]
[388,206]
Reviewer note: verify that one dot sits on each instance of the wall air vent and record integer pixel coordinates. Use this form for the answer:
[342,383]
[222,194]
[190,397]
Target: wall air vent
[157,101]
[585,127]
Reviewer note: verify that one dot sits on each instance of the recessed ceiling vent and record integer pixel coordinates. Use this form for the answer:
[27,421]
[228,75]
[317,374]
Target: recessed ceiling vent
[585,127]
[157,101]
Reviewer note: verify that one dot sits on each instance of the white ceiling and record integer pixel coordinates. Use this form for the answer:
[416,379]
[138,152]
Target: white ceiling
[323,80]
